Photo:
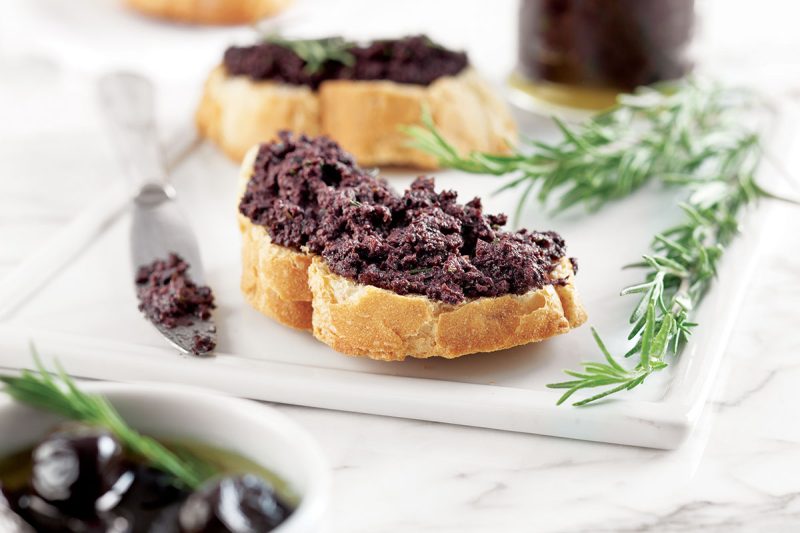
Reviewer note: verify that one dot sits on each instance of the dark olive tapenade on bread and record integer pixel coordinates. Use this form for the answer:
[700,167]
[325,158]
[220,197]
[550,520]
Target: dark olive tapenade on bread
[362,103]
[330,247]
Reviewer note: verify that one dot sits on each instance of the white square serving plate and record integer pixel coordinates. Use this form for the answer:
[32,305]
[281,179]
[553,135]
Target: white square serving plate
[75,300]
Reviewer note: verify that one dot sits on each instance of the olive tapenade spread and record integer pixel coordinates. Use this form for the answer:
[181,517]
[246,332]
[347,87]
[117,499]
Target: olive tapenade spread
[311,196]
[411,60]
[168,296]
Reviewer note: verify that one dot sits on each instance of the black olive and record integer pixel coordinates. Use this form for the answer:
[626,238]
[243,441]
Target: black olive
[80,470]
[46,518]
[151,504]
[10,521]
[166,521]
[240,504]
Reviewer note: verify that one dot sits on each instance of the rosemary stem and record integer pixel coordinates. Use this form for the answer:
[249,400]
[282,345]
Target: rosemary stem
[688,135]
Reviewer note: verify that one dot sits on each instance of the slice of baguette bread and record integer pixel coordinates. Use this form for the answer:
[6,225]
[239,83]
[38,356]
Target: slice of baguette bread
[367,321]
[274,278]
[236,112]
[299,290]
[213,12]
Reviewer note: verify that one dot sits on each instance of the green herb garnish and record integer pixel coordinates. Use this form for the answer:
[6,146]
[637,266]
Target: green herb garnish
[317,52]
[688,135]
[58,393]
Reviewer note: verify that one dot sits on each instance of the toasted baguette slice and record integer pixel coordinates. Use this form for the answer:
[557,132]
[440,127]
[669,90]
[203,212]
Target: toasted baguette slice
[210,11]
[367,321]
[365,117]
[298,290]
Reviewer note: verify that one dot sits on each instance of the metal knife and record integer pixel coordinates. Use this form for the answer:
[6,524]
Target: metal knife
[158,227]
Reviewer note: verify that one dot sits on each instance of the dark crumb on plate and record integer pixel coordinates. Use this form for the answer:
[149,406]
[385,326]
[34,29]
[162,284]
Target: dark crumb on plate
[203,343]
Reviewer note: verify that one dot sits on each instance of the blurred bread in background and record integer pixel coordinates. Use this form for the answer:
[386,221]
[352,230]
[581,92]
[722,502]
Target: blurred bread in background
[361,95]
[211,12]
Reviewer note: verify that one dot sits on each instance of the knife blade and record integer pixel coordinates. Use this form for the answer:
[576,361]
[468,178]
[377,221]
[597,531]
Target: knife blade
[158,227]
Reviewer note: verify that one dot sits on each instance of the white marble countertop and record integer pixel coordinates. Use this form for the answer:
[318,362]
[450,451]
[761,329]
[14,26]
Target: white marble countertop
[739,471]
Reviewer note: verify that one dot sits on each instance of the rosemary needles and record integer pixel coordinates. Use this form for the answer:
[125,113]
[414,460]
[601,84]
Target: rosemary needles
[689,135]
[316,52]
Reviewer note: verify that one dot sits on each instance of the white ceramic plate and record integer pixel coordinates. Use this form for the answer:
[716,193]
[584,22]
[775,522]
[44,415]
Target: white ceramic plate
[86,316]
[255,431]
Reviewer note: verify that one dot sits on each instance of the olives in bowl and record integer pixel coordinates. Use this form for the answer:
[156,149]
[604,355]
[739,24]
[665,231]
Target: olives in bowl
[261,472]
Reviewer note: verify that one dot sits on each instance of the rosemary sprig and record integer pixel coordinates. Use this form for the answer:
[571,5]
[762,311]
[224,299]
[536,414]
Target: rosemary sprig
[659,131]
[679,272]
[316,52]
[689,135]
[60,395]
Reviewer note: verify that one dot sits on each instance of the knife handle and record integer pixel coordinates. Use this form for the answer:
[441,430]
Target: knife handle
[128,104]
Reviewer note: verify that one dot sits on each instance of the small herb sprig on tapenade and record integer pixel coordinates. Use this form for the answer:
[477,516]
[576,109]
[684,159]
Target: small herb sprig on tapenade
[60,395]
[316,52]
[687,134]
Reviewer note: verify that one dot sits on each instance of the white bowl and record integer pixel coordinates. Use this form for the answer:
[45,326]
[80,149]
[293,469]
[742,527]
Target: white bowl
[247,428]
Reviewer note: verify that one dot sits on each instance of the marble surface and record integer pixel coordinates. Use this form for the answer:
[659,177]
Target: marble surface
[739,471]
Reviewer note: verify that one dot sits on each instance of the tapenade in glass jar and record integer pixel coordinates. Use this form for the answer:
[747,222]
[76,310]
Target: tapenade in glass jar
[582,53]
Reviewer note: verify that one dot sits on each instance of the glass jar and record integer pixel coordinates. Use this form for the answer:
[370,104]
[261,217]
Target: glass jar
[582,53]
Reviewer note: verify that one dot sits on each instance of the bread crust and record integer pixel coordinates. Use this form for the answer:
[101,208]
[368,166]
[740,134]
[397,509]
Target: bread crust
[363,320]
[274,278]
[364,117]
[213,12]
[237,114]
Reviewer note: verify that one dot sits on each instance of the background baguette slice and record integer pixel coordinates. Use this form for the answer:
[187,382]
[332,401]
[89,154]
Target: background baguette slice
[210,11]
[364,117]
[362,320]
[236,113]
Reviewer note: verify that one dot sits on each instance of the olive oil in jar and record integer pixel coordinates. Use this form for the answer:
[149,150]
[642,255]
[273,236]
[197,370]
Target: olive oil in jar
[583,53]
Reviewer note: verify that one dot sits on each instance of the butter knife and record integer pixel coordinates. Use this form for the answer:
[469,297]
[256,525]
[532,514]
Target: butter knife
[158,227]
